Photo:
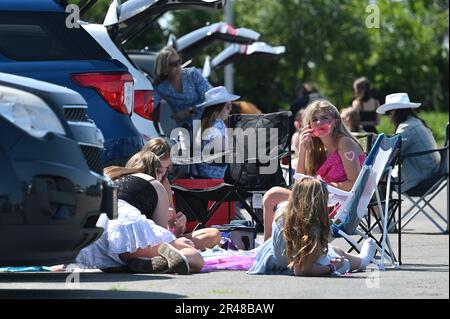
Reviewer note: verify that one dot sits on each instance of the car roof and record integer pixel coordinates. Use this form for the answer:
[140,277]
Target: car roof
[30,5]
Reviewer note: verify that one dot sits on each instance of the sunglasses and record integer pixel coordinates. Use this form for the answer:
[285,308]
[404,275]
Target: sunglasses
[175,63]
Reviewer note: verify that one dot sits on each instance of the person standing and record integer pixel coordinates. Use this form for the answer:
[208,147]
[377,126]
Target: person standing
[366,105]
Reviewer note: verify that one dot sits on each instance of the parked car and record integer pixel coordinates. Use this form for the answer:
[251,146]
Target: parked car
[35,42]
[50,193]
[124,21]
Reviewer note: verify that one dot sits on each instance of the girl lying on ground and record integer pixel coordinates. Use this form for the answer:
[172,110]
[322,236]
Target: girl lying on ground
[301,232]
[133,242]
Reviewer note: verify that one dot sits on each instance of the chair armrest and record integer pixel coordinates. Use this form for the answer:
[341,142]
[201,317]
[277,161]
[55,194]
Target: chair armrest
[336,195]
[404,156]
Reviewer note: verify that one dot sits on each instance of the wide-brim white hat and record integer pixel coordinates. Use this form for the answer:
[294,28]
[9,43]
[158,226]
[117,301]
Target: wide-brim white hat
[397,101]
[217,95]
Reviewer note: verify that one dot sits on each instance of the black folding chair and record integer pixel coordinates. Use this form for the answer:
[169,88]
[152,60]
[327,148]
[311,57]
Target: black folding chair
[256,151]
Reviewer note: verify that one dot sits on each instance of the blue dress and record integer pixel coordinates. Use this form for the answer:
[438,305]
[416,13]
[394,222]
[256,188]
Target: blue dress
[216,135]
[271,256]
[194,89]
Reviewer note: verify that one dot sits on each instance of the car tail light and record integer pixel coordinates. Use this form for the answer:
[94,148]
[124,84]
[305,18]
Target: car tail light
[143,104]
[115,88]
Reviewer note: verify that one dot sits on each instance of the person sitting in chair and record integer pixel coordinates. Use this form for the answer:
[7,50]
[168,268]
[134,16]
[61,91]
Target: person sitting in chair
[326,149]
[416,137]
[216,109]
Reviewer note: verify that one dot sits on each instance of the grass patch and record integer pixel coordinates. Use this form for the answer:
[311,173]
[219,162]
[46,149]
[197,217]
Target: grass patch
[435,120]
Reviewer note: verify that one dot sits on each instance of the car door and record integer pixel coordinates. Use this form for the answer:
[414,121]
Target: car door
[125,21]
[237,52]
[190,43]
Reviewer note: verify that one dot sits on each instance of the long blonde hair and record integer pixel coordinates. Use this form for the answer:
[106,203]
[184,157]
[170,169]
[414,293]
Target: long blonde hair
[162,64]
[142,162]
[317,153]
[159,147]
[306,219]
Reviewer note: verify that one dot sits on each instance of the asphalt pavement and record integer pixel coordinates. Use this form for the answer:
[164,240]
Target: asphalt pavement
[423,274]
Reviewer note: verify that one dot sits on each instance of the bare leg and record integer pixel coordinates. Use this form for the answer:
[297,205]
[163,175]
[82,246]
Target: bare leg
[193,256]
[204,238]
[271,199]
[355,261]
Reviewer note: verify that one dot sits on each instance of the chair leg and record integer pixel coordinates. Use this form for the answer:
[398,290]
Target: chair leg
[421,208]
[446,231]
[250,211]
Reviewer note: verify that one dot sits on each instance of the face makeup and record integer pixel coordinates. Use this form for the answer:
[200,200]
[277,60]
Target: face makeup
[322,128]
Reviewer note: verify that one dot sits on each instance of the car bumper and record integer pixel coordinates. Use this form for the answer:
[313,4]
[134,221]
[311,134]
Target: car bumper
[49,201]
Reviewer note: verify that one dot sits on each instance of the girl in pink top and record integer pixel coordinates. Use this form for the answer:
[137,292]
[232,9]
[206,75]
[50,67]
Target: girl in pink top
[326,149]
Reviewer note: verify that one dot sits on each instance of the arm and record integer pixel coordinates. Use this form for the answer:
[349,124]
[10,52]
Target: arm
[201,84]
[304,142]
[166,185]
[308,267]
[349,152]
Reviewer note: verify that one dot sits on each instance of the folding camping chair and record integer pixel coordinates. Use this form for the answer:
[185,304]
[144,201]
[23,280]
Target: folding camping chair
[264,134]
[349,219]
[366,140]
[428,189]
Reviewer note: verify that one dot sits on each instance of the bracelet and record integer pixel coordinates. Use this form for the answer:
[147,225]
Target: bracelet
[332,268]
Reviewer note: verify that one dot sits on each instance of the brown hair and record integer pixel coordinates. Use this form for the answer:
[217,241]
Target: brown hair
[306,220]
[142,162]
[210,115]
[362,89]
[162,64]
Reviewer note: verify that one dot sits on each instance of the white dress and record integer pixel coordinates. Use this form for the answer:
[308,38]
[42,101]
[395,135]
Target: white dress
[130,231]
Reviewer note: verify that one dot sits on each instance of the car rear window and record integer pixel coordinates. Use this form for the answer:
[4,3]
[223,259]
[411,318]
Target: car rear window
[45,36]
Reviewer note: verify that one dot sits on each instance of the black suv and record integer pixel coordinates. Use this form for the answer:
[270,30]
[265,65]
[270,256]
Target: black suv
[50,194]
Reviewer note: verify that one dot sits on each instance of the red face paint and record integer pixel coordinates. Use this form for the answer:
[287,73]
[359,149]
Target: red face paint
[322,129]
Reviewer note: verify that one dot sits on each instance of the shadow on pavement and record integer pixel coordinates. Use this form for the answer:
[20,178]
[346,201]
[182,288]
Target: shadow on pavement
[83,294]
[53,277]
[424,267]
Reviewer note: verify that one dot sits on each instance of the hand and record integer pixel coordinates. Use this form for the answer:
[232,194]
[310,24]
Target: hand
[171,216]
[304,141]
[181,223]
[337,262]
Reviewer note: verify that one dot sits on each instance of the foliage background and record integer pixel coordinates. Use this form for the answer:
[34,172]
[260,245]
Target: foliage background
[327,43]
